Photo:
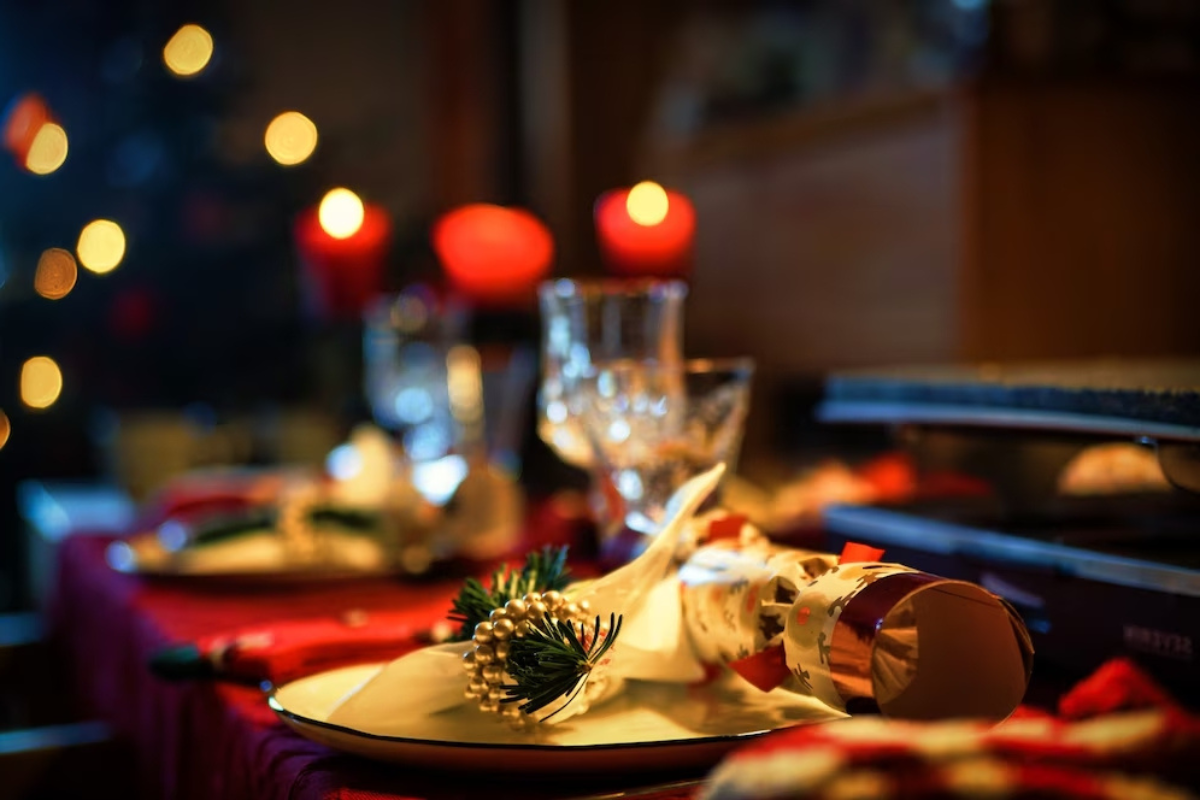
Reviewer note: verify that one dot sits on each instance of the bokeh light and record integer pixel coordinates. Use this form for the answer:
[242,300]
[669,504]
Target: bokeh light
[23,119]
[341,213]
[291,138]
[5,429]
[41,382]
[101,246]
[647,203]
[492,254]
[48,150]
[188,51]
[56,274]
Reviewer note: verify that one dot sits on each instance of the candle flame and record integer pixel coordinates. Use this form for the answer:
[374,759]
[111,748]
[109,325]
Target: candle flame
[5,429]
[341,213]
[41,382]
[101,246]
[647,203]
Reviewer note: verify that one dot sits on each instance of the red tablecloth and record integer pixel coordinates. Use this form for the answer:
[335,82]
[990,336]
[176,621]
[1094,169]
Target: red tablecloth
[205,740]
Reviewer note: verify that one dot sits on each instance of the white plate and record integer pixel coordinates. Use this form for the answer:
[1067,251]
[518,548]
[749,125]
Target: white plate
[255,557]
[649,727]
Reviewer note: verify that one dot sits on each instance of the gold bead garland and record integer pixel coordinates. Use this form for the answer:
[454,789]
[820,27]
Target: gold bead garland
[484,662]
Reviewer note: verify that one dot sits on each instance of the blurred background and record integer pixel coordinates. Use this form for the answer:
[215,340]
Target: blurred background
[874,181]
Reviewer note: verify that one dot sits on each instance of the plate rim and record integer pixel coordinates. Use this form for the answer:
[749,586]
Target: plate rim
[724,738]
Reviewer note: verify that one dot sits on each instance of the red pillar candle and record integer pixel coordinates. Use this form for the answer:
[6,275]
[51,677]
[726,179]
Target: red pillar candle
[343,245]
[493,255]
[646,230]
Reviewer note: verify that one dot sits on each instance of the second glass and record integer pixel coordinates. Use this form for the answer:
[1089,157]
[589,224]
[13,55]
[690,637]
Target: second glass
[653,427]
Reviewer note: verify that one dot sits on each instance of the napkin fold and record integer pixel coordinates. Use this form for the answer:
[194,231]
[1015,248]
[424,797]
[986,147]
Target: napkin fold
[1118,736]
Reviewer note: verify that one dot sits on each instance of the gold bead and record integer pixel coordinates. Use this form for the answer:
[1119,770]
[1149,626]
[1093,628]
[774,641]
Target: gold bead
[477,685]
[511,710]
[571,611]
[496,693]
[538,610]
[497,613]
[503,629]
[469,661]
[516,608]
[470,695]
[493,673]
[489,706]
[532,597]
[484,654]
[501,649]
[584,607]
[524,628]
[483,632]
[552,598]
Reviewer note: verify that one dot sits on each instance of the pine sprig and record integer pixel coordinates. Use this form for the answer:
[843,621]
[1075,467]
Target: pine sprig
[552,662]
[542,572]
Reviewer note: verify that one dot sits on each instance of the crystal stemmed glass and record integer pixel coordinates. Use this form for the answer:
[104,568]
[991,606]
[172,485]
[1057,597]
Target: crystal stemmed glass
[652,426]
[586,322]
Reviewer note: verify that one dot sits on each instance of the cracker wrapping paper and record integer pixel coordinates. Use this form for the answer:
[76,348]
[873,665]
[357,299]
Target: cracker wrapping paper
[841,631]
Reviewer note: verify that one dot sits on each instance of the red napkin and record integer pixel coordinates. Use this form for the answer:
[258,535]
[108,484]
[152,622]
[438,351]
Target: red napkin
[1120,736]
[286,650]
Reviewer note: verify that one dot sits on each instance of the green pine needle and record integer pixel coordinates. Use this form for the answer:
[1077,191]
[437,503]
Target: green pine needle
[543,571]
[552,662]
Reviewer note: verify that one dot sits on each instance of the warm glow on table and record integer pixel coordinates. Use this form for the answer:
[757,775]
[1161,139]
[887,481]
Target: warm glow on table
[41,382]
[341,213]
[48,150]
[492,254]
[188,51]
[56,274]
[291,138]
[101,246]
[646,230]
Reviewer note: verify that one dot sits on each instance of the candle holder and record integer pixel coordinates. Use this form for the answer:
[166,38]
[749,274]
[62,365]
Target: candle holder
[646,231]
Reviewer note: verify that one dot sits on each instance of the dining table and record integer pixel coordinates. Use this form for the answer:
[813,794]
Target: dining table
[189,736]
[214,738]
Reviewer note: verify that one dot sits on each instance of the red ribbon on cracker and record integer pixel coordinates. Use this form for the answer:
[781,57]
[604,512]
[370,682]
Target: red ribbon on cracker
[764,670]
[857,553]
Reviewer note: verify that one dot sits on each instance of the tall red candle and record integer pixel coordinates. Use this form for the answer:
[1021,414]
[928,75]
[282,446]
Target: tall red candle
[493,255]
[646,230]
[343,246]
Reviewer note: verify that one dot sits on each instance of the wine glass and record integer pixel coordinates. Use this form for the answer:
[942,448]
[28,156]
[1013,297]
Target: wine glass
[653,426]
[584,322]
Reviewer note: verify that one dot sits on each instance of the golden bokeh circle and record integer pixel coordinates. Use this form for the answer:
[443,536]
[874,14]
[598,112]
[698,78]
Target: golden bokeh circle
[48,150]
[101,246]
[56,274]
[188,51]
[41,382]
[291,138]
